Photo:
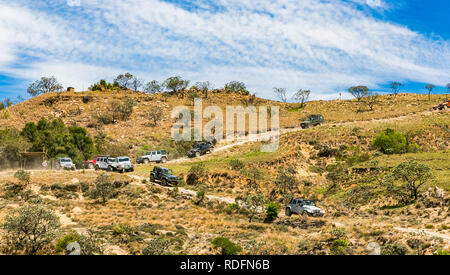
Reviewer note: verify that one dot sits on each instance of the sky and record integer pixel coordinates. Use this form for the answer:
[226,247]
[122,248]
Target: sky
[325,46]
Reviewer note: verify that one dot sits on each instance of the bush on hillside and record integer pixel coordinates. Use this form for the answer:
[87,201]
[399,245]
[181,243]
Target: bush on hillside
[23,176]
[392,142]
[272,210]
[227,247]
[236,164]
[30,230]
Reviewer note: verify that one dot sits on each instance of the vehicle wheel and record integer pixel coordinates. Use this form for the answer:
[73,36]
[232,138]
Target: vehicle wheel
[146,161]
[305,214]
[152,178]
[96,168]
[110,169]
[163,160]
[197,154]
[288,212]
[208,152]
[164,182]
[91,166]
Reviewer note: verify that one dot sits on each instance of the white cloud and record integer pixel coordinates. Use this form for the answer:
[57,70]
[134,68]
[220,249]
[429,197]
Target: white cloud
[324,46]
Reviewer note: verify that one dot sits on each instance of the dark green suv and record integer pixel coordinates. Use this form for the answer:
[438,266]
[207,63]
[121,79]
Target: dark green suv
[312,120]
[163,175]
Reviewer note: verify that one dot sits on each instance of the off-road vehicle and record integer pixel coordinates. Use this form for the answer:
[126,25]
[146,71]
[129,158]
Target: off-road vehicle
[121,164]
[154,156]
[312,120]
[90,164]
[163,175]
[65,163]
[303,207]
[201,149]
[101,163]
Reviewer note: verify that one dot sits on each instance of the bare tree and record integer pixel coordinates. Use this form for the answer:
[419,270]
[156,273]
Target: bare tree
[359,92]
[302,96]
[372,100]
[204,87]
[124,80]
[136,83]
[396,87]
[155,114]
[153,87]
[45,85]
[430,88]
[253,203]
[281,93]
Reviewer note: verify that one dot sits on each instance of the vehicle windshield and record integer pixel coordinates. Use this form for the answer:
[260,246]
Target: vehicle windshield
[311,203]
[111,160]
[168,171]
[66,160]
[124,160]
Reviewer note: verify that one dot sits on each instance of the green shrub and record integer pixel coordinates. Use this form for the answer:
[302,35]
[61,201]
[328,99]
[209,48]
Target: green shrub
[103,188]
[394,249]
[227,247]
[158,246]
[62,243]
[442,252]
[196,172]
[23,176]
[338,233]
[272,210]
[391,142]
[338,246]
[236,164]
[87,98]
[200,197]
[30,230]
[231,208]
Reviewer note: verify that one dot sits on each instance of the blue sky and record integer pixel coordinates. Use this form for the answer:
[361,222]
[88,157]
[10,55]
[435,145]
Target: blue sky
[322,45]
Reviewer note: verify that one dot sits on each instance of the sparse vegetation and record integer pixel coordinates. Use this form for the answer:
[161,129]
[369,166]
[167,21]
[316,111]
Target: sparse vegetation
[30,230]
[23,176]
[227,247]
[359,92]
[103,189]
[45,85]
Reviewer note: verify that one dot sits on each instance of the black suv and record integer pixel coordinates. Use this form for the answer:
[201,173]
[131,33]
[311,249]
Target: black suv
[163,175]
[200,149]
[312,120]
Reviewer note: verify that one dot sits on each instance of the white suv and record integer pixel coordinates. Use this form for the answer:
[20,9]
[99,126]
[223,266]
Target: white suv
[155,156]
[121,164]
[101,163]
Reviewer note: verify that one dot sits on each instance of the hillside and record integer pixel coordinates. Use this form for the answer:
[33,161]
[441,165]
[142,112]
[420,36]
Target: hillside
[334,164]
[81,108]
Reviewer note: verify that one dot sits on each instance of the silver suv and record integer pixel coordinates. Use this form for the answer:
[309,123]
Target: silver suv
[65,163]
[154,156]
[101,163]
[304,208]
[121,164]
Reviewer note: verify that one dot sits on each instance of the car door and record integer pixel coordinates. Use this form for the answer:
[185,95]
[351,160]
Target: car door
[153,158]
[294,206]
[158,156]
